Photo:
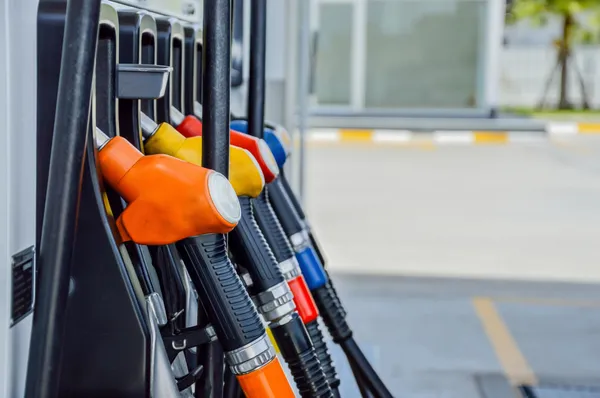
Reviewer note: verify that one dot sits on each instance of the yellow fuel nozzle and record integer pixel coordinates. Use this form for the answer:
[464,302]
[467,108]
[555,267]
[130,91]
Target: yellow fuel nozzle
[244,172]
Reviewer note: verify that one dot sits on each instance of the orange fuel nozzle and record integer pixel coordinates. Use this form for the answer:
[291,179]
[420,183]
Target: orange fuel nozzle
[168,199]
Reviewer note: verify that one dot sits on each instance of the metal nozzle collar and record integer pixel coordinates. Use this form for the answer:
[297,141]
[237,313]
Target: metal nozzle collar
[211,333]
[246,280]
[276,302]
[251,356]
[290,268]
[300,240]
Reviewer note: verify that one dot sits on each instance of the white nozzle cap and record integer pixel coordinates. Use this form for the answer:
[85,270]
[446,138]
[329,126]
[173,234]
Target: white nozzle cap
[267,155]
[285,138]
[224,198]
[255,162]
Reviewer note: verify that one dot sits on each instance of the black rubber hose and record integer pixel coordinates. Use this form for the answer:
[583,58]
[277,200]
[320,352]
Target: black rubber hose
[211,383]
[334,317]
[298,207]
[229,308]
[288,217]
[62,196]
[332,312]
[271,228]
[369,376]
[294,199]
[251,250]
[299,353]
[316,336]
[172,285]
[364,392]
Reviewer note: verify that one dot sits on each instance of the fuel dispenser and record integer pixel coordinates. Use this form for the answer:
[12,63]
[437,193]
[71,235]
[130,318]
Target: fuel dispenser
[168,242]
[153,216]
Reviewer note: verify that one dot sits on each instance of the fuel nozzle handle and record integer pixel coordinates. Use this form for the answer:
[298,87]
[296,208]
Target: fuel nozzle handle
[285,256]
[274,300]
[296,203]
[223,295]
[252,251]
[271,228]
[305,304]
[311,267]
[248,351]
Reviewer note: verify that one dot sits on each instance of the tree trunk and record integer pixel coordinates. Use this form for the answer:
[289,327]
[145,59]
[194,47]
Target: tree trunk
[549,80]
[564,53]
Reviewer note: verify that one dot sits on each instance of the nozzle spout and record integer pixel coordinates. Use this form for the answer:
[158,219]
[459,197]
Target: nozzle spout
[100,138]
[149,126]
[176,117]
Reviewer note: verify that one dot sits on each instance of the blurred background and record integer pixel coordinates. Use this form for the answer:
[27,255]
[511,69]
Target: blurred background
[448,153]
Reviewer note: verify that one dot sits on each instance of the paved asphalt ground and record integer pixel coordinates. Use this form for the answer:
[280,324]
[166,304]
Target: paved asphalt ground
[465,269]
[509,211]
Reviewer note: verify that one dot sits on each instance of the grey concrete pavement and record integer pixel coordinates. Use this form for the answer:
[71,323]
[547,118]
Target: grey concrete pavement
[426,339]
[515,211]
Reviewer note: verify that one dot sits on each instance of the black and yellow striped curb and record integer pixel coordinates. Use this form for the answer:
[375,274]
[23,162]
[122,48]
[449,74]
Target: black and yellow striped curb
[439,137]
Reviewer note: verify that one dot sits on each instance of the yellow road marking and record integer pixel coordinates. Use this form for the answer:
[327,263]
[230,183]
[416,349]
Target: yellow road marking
[351,135]
[589,128]
[513,362]
[490,137]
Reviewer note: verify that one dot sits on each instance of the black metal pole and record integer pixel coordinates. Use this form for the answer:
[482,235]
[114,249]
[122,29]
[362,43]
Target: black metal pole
[62,198]
[256,86]
[216,59]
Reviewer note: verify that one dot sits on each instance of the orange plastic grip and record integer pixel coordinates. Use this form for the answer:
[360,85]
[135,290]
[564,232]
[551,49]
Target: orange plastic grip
[305,304]
[168,199]
[266,382]
[192,127]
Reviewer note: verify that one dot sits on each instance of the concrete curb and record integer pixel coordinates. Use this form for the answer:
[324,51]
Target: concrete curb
[450,137]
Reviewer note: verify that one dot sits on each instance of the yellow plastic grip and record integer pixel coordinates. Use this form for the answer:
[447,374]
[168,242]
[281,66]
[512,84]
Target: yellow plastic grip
[244,172]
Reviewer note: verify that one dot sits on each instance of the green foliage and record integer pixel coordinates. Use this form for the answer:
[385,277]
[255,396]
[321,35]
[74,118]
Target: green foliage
[585,15]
